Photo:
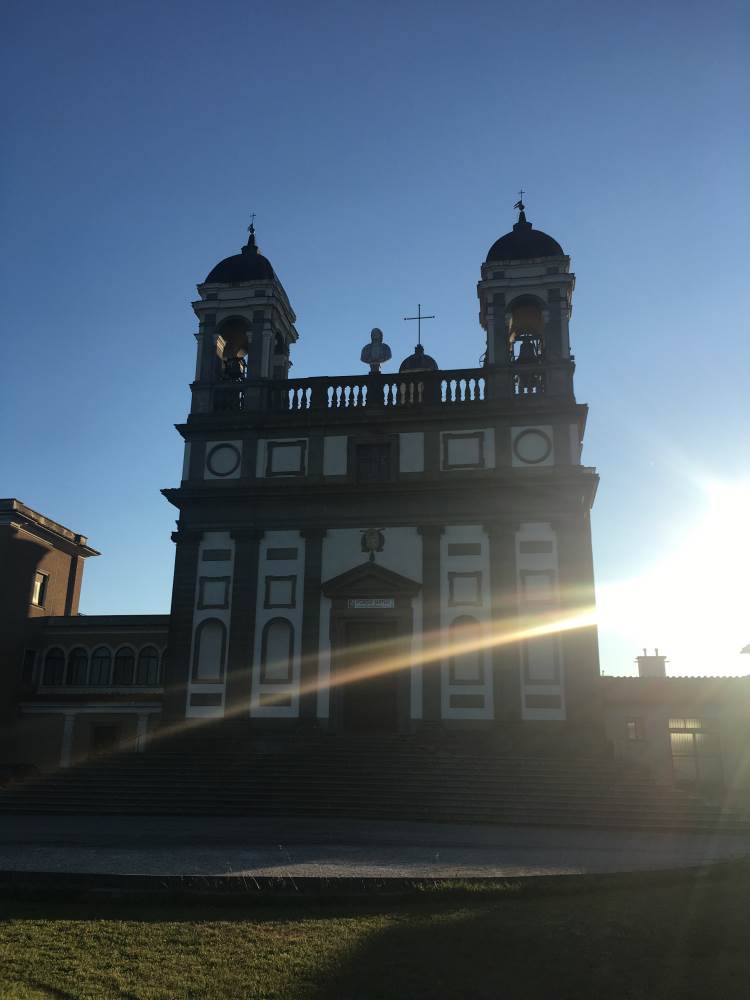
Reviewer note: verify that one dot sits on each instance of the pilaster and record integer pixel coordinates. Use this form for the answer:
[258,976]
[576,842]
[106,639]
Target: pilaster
[181,624]
[431,623]
[242,630]
[310,645]
[505,656]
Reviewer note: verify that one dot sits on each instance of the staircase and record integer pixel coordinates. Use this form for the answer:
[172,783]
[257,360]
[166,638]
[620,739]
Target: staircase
[385,778]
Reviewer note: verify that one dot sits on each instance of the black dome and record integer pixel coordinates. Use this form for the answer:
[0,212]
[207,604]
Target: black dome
[523,243]
[249,265]
[418,362]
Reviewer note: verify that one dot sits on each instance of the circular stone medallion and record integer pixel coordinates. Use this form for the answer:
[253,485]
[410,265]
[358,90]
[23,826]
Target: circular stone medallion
[223,460]
[532,446]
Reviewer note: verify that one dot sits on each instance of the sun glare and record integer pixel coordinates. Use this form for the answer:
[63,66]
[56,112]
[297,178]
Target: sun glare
[694,602]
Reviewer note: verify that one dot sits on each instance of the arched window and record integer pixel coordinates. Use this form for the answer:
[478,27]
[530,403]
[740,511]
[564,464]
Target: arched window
[101,666]
[210,643]
[54,666]
[277,647]
[466,653]
[124,666]
[78,666]
[148,666]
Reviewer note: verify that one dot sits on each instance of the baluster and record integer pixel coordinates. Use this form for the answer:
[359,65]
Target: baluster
[308,398]
[364,395]
[338,392]
[472,387]
[480,388]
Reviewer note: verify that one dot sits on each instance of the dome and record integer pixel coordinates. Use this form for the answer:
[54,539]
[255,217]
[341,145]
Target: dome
[418,362]
[248,265]
[523,243]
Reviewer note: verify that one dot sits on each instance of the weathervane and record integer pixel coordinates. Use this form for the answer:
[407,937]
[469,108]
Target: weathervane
[419,317]
[251,227]
[519,204]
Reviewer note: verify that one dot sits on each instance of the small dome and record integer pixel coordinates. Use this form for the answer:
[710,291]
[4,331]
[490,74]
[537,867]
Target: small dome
[524,243]
[248,265]
[418,362]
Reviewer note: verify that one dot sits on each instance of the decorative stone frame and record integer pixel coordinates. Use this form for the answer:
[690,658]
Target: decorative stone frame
[449,436]
[269,580]
[203,605]
[272,446]
[369,580]
[474,574]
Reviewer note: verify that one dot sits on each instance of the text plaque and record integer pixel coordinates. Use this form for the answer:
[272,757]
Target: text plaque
[371,603]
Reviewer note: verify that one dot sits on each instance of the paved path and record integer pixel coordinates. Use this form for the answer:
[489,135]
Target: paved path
[296,848]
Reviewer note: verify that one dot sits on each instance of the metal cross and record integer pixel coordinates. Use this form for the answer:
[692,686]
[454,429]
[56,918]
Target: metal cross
[419,317]
[519,204]
[251,227]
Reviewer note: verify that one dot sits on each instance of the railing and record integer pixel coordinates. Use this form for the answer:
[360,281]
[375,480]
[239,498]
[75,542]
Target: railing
[380,391]
[383,393]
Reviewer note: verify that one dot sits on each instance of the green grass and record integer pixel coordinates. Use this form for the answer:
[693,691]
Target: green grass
[649,937]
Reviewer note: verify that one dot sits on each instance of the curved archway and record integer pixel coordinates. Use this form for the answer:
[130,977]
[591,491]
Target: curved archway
[147,670]
[124,666]
[78,667]
[101,666]
[54,667]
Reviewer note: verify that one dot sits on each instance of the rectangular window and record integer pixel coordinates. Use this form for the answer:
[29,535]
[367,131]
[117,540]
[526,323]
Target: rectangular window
[464,549]
[281,554]
[39,591]
[217,555]
[634,729]
[534,548]
[373,463]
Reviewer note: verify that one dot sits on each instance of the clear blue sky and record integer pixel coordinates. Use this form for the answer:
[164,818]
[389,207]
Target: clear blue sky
[382,147]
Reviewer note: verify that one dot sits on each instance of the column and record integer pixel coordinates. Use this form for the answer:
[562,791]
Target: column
[242,625]
[505,657]
[66,748]
[431,622]
[310,645]
[141,732]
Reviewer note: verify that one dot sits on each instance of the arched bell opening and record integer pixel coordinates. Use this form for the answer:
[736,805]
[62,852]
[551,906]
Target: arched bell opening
[526,331]
[280,363]
[233,348]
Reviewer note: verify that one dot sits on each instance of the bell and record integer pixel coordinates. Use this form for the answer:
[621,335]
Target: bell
[527,354]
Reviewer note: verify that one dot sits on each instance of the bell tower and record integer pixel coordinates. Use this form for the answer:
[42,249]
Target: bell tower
[246,330]
[525,302]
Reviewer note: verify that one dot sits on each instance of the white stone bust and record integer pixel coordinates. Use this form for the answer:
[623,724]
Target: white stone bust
[376,352]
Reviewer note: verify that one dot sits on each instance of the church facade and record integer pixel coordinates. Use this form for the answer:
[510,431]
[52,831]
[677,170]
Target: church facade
[398,552]
[357,552]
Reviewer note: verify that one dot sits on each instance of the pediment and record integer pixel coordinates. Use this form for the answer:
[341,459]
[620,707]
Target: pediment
[370,580]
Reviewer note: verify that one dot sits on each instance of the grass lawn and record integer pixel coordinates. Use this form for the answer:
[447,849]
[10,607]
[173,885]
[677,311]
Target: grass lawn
[649,937]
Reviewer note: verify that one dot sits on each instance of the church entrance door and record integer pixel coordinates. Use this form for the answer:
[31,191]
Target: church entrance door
[369,704]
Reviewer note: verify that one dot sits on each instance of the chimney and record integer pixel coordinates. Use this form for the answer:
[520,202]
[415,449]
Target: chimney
[651,666]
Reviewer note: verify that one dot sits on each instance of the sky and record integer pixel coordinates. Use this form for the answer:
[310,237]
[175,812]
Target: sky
[382,148]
